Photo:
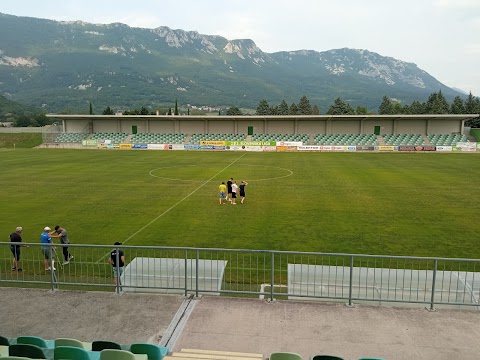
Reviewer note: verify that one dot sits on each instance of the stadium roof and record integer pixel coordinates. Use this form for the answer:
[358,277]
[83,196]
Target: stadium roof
[446,117]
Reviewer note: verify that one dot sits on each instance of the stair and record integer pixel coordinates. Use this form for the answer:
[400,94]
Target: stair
[248,138]
[380,140]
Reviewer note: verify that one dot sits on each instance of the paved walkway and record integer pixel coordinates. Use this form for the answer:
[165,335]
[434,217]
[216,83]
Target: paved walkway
[245,325]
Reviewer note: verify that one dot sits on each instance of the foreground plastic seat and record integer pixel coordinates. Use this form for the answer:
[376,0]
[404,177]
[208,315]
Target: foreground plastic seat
[285,356]
[102,345]
[325,357]
[70,353]
[111,354]
[69,342]
[153,352]
[4,341]
[32,340]
[371,358]
[26,350]
[14,358]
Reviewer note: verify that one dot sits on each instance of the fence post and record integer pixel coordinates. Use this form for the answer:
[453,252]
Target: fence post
[52,267]
[432,299]
[350,283]
[196,272]
[186,272]
[117,265]
[272,276]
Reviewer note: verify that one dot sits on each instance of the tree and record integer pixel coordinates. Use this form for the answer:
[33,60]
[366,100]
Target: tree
[176,107]
[316,110]
[457,106]
[144,111]
[273,110]
[169,111]
[340,107]
[304,107]
[470,107]
[263,108]
[386,107]
[437,104]
[108,111]
[417,108]
[91,108]
[282,108]
[361,110]
[293,109]
[234,111]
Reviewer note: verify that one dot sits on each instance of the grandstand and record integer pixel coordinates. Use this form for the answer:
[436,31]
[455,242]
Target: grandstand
[446,139]
[152,138]
[346,139]
[303,138]
[404,139]
[196,138]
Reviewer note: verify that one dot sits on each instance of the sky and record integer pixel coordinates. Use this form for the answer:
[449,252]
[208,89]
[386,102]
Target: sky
[440,36]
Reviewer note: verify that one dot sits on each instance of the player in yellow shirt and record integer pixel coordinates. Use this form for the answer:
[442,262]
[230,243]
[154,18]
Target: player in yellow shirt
[223,189]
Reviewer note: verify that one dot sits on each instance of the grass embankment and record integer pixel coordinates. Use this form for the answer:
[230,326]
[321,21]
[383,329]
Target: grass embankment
[20,140]
[475,133]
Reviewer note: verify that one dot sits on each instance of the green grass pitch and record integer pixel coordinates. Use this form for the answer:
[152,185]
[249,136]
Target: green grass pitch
[380,203]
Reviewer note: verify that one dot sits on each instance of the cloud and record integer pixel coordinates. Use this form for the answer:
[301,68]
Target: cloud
[456,4]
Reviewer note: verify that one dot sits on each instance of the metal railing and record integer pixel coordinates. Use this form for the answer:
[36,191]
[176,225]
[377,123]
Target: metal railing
[350,278]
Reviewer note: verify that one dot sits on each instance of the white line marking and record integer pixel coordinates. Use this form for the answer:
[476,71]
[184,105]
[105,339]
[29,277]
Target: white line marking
[173,206]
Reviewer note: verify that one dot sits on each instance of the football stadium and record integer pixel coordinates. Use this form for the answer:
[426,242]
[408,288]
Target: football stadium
[374,212]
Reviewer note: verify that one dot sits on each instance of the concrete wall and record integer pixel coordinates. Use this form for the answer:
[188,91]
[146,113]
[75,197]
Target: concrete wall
[280,127]
[444,127]
[107,126]
[258,126]
[386,126]
[345,127]
[312,127]
[126,125]
[76,126]
[411,126]
[161,127]
[221,127]
[192,127]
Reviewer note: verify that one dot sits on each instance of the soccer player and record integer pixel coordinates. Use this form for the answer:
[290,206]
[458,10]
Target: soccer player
[242,190]
[234,192]
[223,189]
[229,189]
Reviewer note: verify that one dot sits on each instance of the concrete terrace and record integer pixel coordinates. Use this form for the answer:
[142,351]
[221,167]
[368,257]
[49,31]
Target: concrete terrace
[243,325]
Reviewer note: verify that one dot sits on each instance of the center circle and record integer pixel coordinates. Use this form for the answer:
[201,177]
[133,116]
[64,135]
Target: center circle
[182,172]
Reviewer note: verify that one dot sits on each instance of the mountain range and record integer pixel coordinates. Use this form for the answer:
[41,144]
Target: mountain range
[62,66]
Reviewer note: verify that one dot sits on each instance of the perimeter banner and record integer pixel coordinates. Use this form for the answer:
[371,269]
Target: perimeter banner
[250,143]
[212,143]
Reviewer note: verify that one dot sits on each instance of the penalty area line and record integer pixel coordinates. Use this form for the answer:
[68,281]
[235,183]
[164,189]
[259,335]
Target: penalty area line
[173,206]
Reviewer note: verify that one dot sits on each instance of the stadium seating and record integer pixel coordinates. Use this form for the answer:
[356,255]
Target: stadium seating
[115,138]
[153,352]
[325,357]
[112,354]
[32,340]
[14,358]
[71,137]
[4,341]
[285,356]
[68,342]
[26,350]
[446,139]
[304,138]
[102,345]
[153,138]
[196,138]
[346,139]
[70,353]
[404,139]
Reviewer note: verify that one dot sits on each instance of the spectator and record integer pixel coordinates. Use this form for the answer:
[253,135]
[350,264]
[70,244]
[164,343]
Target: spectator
[62,234]
[117,270]
[16,238]
[46,249]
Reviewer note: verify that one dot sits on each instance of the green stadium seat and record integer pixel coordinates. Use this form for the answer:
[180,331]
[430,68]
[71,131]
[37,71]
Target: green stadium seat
[70,353]
[111,354]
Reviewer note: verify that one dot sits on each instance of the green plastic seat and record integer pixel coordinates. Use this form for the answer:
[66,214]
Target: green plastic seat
[70,353]
[32,340]
[14,358]
[153,352]
[4,341]
[68,342]
[285,356]
[325,357]
[112,354]
[26,350]
[100,345]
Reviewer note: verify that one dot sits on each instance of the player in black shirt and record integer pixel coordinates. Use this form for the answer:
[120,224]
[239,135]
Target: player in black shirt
[242,190]
[229,189]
